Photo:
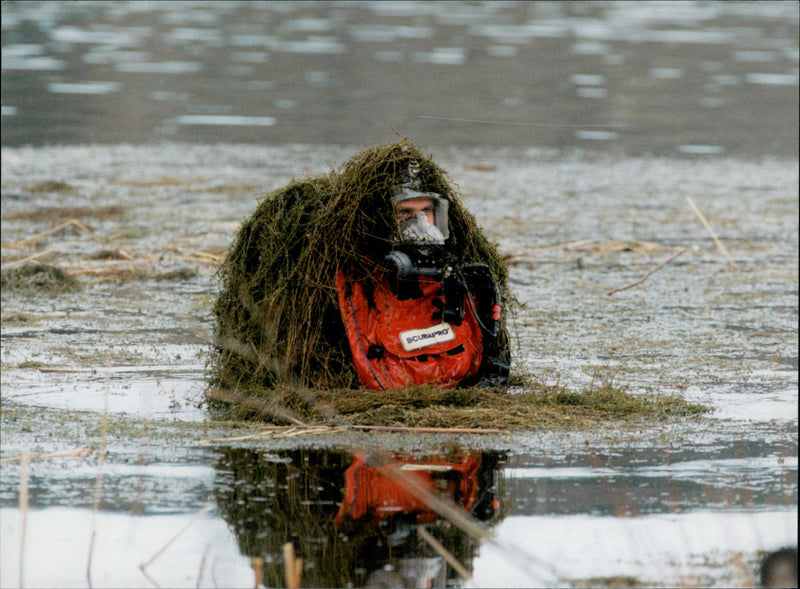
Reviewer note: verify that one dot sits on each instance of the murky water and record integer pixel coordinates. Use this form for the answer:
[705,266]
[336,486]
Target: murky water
[691,78]
[685,503]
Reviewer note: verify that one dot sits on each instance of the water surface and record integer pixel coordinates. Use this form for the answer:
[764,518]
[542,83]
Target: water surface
[688,502]
[137,136]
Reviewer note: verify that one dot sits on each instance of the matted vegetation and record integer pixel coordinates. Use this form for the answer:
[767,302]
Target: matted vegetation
[34,277]
[532,406]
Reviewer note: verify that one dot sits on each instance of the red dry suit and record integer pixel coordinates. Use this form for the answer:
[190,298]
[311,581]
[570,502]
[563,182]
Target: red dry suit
[397,343]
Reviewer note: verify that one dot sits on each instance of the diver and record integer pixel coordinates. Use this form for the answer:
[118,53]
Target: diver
[429,318]
[373,275]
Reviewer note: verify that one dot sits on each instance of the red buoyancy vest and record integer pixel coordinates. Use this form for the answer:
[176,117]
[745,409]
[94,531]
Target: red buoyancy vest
[405,345]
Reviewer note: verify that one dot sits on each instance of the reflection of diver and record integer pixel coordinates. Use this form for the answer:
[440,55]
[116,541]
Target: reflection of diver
[377,499]
[352,519]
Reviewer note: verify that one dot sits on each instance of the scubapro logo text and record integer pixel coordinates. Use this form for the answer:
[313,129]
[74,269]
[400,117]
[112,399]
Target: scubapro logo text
[414,339]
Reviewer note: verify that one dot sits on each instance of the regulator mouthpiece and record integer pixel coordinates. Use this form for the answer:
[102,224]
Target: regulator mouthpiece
[417,231]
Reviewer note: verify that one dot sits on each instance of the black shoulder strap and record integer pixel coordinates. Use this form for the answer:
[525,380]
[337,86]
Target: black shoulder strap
[482,292]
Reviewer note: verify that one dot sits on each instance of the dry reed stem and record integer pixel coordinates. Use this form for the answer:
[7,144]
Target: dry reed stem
[195,260]
[430,430]
[192,253]
[38,236]
[37,255]
[280,432]
[100,264]
[212,258]
[98,489]
[202,566]
[158,553]
[90,264]
[80,264]
[23,509]
[79,453]
[444,553]
[258,570]
[308,431]
[293,566]
[152,581]
[214,571]
[646,276]
[115,271]
[236,438]
[707,225]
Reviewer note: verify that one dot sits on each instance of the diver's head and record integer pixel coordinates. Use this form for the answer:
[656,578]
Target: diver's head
[422,215]
[418,218]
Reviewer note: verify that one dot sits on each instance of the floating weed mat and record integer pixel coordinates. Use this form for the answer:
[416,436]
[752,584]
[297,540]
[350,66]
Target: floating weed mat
[33,278]
[50,186]
[277,316]
[537,407]
[66,213]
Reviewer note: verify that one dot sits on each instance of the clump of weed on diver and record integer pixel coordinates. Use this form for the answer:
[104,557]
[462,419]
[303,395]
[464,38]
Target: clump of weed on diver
[34,278]
[275,314]
[277,317]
